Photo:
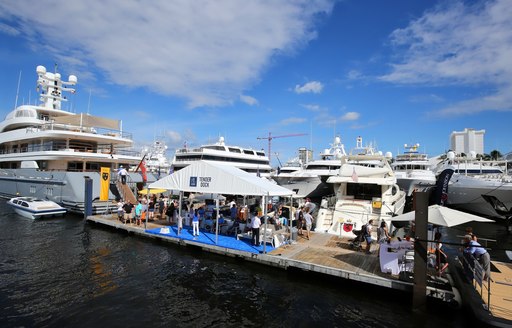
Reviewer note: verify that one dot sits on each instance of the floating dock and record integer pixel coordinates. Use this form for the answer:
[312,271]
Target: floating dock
[322,253]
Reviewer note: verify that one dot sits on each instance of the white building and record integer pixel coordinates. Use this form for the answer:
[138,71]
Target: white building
[467,141]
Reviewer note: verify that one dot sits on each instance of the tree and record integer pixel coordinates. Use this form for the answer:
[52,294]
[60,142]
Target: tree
[495,155]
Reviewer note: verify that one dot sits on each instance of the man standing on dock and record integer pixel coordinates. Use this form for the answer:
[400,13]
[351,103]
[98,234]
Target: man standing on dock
[255,226]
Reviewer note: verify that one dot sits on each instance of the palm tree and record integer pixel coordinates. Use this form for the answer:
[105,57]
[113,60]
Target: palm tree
[495,155]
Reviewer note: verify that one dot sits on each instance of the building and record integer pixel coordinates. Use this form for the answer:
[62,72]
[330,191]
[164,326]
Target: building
[467,141]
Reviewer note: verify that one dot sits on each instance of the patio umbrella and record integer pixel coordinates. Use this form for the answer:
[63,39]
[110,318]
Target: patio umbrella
[153,191]
[443,216]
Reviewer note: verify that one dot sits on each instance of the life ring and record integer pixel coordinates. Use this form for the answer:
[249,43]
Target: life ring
[348,227]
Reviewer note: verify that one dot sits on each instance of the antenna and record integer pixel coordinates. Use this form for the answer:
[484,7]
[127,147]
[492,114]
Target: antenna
[17,91]
[89,102]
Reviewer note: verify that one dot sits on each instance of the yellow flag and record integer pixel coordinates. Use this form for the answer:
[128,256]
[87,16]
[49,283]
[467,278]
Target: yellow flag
[105,183]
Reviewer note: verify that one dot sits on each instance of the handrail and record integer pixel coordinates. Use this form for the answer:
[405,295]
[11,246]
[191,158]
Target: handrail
[471,270]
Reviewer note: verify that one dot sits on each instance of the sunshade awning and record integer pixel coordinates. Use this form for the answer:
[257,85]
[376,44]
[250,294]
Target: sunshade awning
[87,120]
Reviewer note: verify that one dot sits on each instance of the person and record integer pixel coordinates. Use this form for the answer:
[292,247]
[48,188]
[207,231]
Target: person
[441,257]
[255,226]
[383,233]
[300,220]
[127,207]
[120,211]
[138,213]
[233,212]
[308,220]
[474,248]
[122,173]
[180,224]
[368,236]
[161,207]
[151,208]
[195,224]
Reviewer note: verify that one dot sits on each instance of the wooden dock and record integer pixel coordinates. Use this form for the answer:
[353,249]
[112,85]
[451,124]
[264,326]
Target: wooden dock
[323,253]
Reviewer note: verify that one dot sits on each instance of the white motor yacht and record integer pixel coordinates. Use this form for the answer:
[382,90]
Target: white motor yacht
[310,181]
[247,159]
[413,170]
[365,188]
[47,152]
[473,178]
[35,208]
[156,159]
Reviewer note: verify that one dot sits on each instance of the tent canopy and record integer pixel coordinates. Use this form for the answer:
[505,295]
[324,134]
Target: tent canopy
[212,177]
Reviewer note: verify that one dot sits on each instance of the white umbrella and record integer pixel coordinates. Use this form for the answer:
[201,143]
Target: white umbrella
[443,216]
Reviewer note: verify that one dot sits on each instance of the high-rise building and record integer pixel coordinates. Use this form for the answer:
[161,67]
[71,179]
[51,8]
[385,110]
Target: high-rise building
[467,141]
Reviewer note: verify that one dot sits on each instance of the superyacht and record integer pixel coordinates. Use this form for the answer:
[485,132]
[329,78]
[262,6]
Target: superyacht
[46,152]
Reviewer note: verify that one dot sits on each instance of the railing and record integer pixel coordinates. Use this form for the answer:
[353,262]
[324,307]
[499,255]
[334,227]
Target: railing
[474,272]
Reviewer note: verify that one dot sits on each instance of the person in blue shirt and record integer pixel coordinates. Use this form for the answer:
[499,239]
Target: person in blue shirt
[480,253]
[234,212]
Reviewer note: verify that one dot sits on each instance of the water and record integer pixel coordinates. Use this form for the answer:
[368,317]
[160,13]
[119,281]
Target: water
[63,272]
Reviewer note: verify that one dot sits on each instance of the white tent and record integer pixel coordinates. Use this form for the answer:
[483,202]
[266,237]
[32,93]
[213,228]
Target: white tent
[212,177]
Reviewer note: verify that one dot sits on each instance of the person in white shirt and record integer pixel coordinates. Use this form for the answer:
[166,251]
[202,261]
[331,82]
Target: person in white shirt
[122,173]
[255,226]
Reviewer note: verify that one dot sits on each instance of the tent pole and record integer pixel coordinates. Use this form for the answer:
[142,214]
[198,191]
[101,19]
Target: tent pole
[217,220]
[266,221]
[179,211]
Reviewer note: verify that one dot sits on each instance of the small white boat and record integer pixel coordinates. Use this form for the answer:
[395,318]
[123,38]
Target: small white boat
[35,208]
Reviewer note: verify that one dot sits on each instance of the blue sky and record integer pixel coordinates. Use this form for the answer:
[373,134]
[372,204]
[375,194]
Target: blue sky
[393,72]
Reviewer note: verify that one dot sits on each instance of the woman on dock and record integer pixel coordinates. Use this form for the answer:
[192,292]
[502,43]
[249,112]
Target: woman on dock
[441,257]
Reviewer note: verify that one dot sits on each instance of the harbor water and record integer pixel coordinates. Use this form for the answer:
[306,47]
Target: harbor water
[63,272]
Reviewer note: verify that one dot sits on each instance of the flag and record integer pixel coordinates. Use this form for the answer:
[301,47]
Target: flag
[354,175]
[171,170]
[104,183]
[143,171]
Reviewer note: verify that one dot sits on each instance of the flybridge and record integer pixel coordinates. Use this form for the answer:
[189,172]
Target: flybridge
[52,87]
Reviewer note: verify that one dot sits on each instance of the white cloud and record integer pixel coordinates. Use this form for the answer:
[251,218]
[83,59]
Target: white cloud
[350,116]
[206,52]
[175,138]
[9,30]
[459,44]
[312,107]
[313,87]
[292,120]
[251,101]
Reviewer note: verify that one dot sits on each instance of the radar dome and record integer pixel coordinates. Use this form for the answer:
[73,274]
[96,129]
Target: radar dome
[73,79]
[389,154]
[57,76]
[472,154]
[41,70]
[450,155]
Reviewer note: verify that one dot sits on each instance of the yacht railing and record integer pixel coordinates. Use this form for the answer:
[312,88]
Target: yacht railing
[474,272]
[80,129]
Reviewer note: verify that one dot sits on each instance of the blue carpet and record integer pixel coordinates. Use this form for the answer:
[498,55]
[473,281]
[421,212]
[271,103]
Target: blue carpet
[209,239]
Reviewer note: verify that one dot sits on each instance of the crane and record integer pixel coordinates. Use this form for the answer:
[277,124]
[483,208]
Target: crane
[270,137]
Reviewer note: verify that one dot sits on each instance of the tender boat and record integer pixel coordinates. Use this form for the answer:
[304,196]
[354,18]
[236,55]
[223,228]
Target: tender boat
[35,208]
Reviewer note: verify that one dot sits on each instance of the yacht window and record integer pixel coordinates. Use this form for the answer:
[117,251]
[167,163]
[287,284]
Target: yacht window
[24,204]
[249,152]
[364,191]
[259,153]
[234,150]
[49,191]
[32,189]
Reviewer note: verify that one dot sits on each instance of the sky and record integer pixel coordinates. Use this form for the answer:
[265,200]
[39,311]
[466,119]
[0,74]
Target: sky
[187,72]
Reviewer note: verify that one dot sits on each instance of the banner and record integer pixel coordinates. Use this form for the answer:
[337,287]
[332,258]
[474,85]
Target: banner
[441,191]
[104,183]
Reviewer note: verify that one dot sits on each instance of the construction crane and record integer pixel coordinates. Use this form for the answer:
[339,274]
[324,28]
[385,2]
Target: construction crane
[270,137]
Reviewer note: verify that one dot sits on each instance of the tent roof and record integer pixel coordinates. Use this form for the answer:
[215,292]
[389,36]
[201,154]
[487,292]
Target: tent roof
[212,177]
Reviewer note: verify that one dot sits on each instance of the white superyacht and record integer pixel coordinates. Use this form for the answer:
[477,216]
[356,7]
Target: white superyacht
[47,152]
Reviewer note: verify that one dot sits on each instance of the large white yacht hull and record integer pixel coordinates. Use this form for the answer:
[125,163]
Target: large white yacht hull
[465,193]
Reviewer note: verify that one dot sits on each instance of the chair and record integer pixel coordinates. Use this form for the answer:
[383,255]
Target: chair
[266,236]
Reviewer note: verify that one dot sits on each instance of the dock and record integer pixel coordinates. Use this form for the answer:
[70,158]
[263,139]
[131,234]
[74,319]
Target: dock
[490,302]
[322,254]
